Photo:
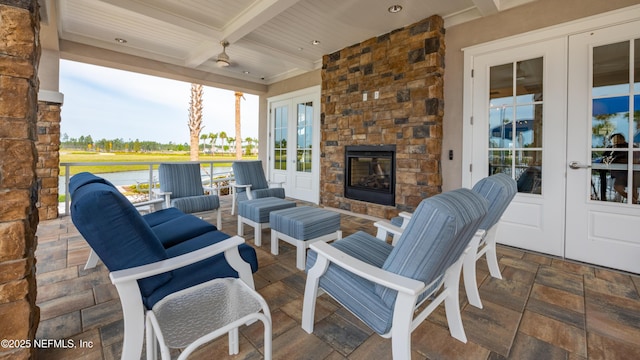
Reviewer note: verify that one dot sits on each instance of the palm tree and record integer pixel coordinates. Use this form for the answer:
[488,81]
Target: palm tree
[204,137]
[238,132]
[213,137]
[230,141]
[195,120]
[222,136]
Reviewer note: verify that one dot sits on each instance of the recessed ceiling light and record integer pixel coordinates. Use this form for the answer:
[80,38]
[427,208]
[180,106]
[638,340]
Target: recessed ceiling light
[315,42]
[246,72]
[120,40]
[300,48]
[394,9]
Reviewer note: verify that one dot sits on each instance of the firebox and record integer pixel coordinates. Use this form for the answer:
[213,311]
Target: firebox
[370,174]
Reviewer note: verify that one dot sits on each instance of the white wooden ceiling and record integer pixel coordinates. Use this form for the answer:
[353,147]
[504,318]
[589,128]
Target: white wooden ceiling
[270,40]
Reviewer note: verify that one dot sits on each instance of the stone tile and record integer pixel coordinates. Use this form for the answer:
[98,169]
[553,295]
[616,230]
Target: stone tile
[56,276]
[340,333]
[558,297]
[528,347]
[219,349]
[560,279]
[508,293]
[554,332]
[493,327]
[602,348]
[613,316]
[112,333]
[60,327]
[434,342]
[275,272]
[63,305]
[101,314]
[277,295]
[623,287]
[519,264]
[281,323]
[379,348]
[506,251]
[297,344]
[537,258]
[105,292]
[296,281]
[572,267]
[70,286]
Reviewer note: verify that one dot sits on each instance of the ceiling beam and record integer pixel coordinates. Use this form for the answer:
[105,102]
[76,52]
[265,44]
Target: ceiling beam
[253,17]
[487,7]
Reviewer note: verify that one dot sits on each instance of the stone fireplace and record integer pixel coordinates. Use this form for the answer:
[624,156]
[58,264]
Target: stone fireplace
[370,174]
[385,91]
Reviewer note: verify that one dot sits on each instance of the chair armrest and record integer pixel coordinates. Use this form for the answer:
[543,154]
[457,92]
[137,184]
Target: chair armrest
[159,267]
[386,228]
[406,215]
[367,271]
[212,190]
[167,196]
[151,203]
[279,183]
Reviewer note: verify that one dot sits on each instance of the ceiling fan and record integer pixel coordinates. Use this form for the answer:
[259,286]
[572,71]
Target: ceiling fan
[223,59]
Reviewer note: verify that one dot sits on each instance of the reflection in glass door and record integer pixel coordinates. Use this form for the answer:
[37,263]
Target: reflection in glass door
[515,122]
[615,130]
[304,132]
[280,129]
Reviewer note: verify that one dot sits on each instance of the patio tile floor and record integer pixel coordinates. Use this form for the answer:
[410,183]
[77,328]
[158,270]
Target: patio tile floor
[543,308]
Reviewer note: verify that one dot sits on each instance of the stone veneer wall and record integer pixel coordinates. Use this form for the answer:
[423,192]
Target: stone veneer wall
[48,146]
[406,66]
[19,57]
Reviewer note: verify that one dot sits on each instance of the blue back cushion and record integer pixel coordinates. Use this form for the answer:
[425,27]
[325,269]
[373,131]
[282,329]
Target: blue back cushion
[84,178]
[499,190]
[181,179]
[250,173]
[438,233]
[117,232]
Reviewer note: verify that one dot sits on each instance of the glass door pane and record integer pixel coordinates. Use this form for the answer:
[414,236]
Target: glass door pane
[280,119]
[515,122]
[615,136]
[304,131]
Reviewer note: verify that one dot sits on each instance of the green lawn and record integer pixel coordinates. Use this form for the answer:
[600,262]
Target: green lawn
[67,156]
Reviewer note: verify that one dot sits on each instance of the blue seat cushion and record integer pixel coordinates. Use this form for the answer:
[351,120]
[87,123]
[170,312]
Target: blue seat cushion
[499,190]
[160,216]
[193,204]
[342,284]
[304,222]
[258,210]
[212,268]
[262,193]
[182,228]
[116,232]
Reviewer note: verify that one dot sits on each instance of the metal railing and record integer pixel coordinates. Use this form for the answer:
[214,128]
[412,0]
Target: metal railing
[211,177]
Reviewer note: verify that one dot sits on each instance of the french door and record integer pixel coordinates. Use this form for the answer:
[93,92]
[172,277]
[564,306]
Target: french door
[519,122]
[603,212]
[562,117]
[294,139]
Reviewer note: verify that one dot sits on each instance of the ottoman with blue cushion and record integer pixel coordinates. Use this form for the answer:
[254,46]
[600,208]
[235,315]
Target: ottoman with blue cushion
[301,227]
[256,213]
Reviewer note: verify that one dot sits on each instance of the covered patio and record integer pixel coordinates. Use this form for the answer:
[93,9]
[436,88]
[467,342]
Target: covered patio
[543,308]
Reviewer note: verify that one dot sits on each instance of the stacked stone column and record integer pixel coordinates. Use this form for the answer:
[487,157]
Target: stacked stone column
[19,57]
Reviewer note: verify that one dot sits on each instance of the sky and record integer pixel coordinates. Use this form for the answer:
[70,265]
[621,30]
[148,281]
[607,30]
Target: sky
[111,104]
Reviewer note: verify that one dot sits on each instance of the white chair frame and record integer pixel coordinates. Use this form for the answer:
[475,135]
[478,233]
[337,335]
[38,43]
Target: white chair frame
[247,187]
[404,320]
[126,282]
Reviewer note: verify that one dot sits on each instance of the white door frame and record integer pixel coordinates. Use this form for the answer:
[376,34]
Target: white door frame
[313,195]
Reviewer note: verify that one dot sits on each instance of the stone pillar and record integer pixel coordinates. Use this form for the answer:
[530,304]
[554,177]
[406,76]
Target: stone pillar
[19,56]
[48,169]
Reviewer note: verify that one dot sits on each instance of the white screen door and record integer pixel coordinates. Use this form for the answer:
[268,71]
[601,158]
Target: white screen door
[603,214]
[519,122]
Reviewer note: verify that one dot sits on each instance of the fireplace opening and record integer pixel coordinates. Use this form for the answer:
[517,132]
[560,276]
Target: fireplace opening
[370,174]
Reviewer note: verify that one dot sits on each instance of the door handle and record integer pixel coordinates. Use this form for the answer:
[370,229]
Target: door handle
[577,165]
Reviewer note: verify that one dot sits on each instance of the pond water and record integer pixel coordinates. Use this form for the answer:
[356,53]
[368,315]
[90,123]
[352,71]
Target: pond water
[139,176]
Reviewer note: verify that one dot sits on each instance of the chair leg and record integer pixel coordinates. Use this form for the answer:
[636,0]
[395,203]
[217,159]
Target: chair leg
[234,344]
[92,261]
[311,293]
[469,273]
[402,326]
[219,219]
[452,302]
[491,254]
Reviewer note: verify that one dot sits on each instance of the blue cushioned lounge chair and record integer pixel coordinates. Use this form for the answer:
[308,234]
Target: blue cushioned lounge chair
[251,183]
[383,284]
[183,183]
[153,256]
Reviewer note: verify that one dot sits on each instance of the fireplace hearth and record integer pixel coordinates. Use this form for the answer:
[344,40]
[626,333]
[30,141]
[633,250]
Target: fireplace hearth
[370,174]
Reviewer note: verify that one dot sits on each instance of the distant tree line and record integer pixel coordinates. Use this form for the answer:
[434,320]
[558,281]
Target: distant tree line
[209,144]
[118,145]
